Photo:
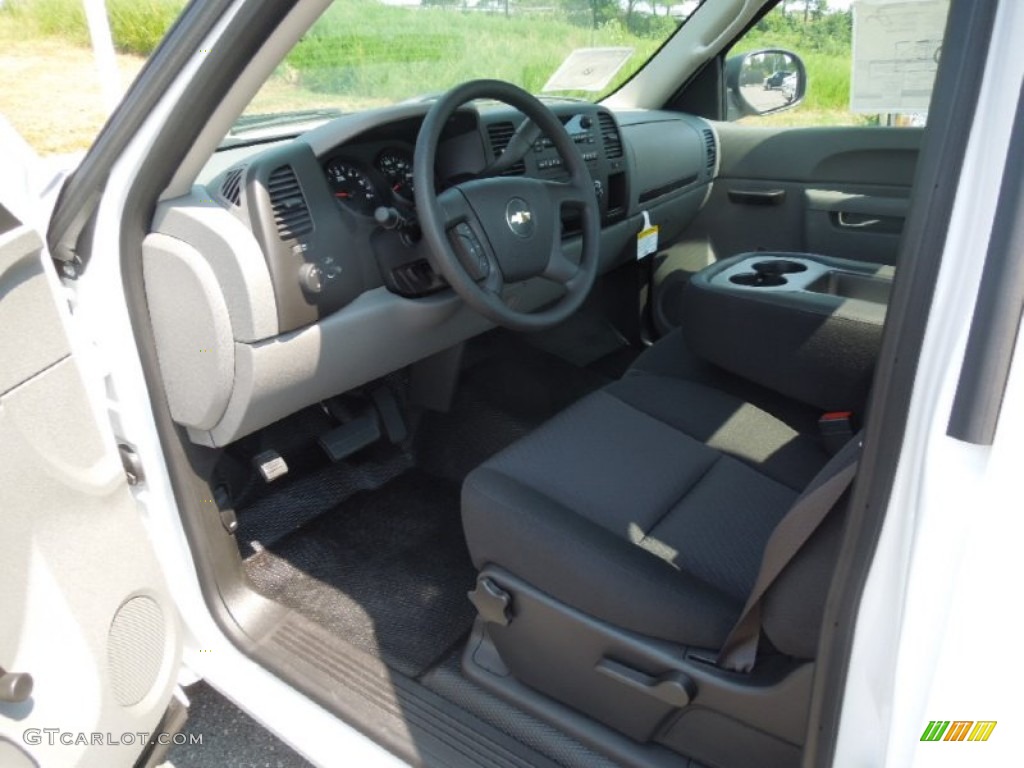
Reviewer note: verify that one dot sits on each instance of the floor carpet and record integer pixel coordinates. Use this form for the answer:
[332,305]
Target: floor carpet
[386,570]
[372,547]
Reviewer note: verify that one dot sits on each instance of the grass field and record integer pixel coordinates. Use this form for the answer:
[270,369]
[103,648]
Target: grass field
[363,53]
[361,48]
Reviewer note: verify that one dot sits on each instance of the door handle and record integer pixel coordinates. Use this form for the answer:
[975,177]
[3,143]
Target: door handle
[853,220]
[757,196]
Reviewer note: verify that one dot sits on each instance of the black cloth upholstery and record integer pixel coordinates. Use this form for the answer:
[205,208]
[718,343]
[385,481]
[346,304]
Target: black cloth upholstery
[646,504]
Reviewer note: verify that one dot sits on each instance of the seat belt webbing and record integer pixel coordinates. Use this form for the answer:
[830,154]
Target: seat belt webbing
[740,648]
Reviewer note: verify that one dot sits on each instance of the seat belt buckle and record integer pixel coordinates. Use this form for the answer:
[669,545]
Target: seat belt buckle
[836,430]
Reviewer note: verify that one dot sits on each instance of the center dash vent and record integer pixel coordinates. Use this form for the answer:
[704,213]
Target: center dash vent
[500,135]
[610,136]
[231,188]
[291,214]
[711,148]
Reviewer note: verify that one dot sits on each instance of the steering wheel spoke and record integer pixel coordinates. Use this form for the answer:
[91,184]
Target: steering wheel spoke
[570,194]
[467,238]
[489,232]
[494,283]
[561,269]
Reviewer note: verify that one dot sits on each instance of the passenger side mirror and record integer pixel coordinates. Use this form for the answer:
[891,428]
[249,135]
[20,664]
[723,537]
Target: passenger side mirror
[763,82]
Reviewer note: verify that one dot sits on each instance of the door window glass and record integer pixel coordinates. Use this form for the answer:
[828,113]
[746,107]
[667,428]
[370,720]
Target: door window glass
[867,62]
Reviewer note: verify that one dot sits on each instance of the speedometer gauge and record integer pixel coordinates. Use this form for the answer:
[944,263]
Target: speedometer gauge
[352,187]
[396,165]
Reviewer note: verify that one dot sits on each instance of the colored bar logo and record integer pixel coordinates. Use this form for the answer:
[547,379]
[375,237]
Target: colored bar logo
[958,730]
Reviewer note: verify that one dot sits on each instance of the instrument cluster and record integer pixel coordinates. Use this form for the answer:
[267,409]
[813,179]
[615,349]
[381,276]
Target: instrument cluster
[362,186]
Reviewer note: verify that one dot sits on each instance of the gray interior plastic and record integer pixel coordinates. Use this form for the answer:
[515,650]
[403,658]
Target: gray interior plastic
[75,551]
[671,154]
[193,331]
[232,253]
[863,225]
[846,155]
[226,369]
[813,175]
[811,333]
[236,371]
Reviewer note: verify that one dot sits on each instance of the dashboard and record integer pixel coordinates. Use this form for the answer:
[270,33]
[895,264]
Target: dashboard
[301,269]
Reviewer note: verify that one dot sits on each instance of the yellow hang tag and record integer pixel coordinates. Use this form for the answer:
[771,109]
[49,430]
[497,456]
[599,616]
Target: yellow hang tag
[647,240]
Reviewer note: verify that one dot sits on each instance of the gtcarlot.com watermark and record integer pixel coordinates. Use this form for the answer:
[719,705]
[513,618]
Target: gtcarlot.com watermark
[55,736]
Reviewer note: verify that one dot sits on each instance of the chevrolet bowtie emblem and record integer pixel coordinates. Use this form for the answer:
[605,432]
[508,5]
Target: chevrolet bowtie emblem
[519,217]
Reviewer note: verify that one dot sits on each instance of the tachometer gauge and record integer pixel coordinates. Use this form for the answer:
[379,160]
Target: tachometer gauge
[396,165]
[352,187]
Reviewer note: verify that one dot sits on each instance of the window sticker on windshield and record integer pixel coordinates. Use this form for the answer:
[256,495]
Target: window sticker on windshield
[896,46]
[588,69]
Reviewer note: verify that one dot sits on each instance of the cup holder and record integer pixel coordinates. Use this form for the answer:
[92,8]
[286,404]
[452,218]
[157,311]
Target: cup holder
[759,279]
[779,267]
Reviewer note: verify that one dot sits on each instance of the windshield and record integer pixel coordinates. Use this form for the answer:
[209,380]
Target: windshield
[370,53]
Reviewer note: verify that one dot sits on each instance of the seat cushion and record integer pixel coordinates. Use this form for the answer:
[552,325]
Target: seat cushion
[646,504]
[673,358]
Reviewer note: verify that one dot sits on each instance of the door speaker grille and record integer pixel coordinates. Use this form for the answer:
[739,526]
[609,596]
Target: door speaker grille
[135,649]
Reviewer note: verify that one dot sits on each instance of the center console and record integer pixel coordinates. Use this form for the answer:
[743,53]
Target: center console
[804,325]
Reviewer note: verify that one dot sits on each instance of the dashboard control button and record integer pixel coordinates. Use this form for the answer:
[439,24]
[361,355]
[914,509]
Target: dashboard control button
[470,252]
[311,277]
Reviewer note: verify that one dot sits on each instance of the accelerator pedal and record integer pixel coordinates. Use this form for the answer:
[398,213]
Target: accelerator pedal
[362,431]
[364,424]
[390,414]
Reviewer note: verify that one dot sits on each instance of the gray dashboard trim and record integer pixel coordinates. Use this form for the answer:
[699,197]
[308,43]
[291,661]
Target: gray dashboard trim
[820,155]
[233,254]
[376,334]
[654,163]
[326,137]
[192,330]
[379,332]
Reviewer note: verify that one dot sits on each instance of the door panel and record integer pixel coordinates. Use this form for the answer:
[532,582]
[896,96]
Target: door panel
[862,225]
[83,606]
[841,191]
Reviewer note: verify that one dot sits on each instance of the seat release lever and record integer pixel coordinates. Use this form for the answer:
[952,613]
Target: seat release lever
[673,688]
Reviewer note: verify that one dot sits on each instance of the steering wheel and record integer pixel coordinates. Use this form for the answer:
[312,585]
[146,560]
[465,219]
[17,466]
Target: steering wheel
[487,233]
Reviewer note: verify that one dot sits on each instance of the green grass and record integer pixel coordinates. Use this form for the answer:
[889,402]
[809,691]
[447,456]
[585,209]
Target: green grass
[136,25]
[362,48]
[362,51]
[825,48]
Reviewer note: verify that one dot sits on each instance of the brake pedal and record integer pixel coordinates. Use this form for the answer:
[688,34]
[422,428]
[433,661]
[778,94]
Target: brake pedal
[271,465]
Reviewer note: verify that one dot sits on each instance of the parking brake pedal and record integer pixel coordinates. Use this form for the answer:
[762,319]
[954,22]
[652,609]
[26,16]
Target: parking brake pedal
[341,442]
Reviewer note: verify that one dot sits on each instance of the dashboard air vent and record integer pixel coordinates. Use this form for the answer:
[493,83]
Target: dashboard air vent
[500,135]
[710,147]
[610,136]
[231,189]
[291,214]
